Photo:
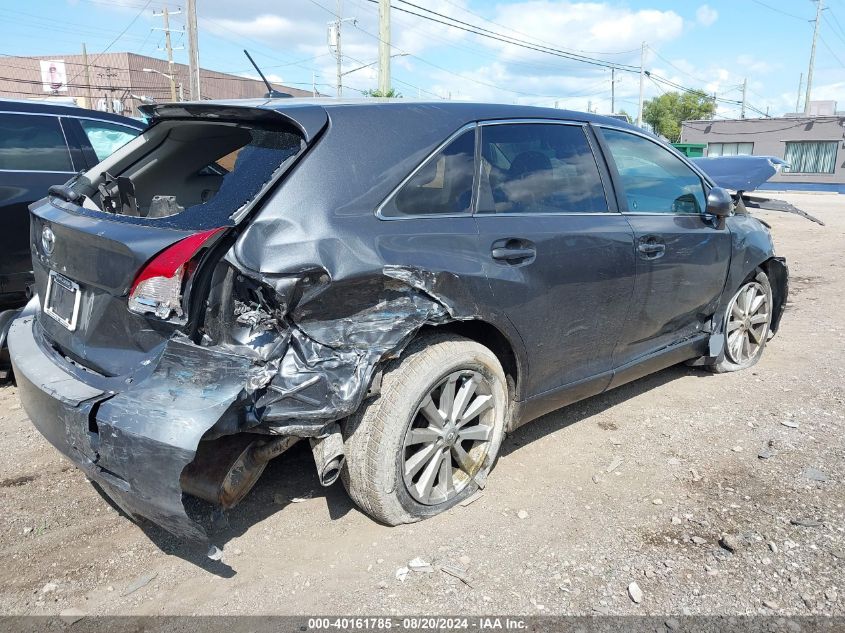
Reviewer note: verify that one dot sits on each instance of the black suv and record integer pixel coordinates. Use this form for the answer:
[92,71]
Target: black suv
[42,144]
[398,283]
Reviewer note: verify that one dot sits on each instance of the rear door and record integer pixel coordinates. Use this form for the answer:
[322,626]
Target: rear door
[682,257]
[33,156]
[560,259]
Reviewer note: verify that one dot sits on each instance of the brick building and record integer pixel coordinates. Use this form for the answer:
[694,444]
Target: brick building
[117,81]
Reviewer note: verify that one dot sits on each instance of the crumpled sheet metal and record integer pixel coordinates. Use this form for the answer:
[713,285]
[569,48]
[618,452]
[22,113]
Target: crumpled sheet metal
[148,434]
[337,340]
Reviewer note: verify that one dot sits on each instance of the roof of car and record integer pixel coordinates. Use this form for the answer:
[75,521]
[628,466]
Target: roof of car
[61,109]
[464,109]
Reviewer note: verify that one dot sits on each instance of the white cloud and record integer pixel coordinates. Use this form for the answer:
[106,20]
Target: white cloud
[589,27]
[706,15]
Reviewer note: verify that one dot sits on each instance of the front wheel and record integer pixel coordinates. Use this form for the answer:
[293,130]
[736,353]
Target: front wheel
[747,322]
[432,435]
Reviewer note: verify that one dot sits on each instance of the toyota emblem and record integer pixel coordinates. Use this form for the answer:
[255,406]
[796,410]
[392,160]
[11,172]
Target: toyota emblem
[48,240]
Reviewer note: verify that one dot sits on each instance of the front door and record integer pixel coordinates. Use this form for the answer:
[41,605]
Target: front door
[560,259]
[682,257]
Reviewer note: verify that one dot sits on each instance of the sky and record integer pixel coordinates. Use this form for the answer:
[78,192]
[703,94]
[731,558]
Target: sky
[714,46]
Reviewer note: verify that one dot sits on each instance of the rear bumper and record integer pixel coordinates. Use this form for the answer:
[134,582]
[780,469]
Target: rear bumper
[136,443]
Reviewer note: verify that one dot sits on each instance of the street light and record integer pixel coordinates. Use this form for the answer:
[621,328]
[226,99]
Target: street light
[172,82]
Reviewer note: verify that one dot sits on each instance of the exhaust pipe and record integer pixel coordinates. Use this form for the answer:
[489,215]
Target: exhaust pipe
[328,455]
[225,470]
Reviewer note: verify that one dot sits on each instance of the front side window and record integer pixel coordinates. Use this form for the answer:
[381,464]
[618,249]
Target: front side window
[538,168]
[105,138]
[811,157]
[33,143]
[442,186]
[730,149]
[654,180]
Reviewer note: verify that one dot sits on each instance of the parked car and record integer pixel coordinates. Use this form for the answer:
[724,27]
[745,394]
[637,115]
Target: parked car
[42,144]
[401,284]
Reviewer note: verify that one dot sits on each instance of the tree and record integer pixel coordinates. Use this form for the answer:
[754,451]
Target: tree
[666,112]
[390,94]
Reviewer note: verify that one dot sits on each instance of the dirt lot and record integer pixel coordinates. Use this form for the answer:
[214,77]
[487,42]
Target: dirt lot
[637,485]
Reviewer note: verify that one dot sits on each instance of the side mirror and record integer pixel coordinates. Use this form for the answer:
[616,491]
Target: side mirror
[719,203]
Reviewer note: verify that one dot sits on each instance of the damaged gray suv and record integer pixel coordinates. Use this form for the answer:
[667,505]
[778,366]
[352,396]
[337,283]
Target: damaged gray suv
[398,283]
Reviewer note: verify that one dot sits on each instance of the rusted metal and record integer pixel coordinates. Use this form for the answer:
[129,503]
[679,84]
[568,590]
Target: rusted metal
[329,456]
[226,469]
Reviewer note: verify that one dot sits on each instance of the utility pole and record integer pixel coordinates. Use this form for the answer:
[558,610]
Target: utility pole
[194,85]
[798,98]
[335,46]
[108,75]
[334,43]
[90,97]
[165,15]
[744,92]
[613,90]
[384,47]
[819,9]
[642,86]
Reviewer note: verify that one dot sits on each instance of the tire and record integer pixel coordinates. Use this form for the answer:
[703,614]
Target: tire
[384,438]
[753,336]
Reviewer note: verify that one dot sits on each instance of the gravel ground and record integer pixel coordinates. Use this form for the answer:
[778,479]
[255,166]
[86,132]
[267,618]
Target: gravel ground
[635,486]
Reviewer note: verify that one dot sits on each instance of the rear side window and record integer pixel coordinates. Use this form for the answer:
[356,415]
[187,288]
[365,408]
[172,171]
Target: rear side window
[538,168]
[654,179]
[442,186]
[105,138]
[33,143]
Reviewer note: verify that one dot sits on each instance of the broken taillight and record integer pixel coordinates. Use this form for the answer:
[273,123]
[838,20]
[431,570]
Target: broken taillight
[158,287]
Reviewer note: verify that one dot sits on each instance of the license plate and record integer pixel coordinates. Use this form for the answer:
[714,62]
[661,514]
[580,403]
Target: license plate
[62,300]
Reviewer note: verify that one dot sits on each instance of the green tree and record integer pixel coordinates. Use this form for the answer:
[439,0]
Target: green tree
[390,94]
[666,112]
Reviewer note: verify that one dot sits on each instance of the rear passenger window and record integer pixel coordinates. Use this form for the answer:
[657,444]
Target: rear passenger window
[33,143]
[105,138]
[538,168]
[654,179]
[443,185]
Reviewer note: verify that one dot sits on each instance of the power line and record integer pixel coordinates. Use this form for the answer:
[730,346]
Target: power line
[537,39]
[482,32]
[119,35]
[776,10]
[830,50]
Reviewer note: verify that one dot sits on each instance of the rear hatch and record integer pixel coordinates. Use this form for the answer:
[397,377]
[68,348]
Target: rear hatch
[116,251]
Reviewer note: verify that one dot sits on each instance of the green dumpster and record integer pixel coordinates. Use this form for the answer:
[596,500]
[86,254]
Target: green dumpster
[691,150]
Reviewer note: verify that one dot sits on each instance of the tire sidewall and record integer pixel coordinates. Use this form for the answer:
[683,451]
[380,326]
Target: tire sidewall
[473,360]
[727,364]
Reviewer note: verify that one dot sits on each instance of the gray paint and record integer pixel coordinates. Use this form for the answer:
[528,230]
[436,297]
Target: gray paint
[343,291]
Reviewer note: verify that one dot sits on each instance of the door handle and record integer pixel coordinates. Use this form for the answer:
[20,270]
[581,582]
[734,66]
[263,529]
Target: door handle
[512,254]
[650,248]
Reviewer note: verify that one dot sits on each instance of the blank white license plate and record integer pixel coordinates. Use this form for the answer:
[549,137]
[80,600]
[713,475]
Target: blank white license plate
[62,300]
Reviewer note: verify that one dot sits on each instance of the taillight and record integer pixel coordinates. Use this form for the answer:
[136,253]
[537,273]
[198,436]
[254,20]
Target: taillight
[158,287]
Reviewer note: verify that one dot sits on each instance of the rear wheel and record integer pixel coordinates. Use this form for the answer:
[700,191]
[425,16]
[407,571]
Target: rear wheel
[747,322]
[432,435]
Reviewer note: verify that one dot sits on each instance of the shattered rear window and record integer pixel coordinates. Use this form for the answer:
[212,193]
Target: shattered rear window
[194,174]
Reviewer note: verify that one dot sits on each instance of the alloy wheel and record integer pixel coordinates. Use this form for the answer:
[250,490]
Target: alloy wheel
[449,437]
[749,316]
